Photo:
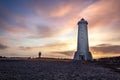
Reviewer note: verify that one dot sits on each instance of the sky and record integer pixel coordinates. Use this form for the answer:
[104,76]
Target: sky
[50,26]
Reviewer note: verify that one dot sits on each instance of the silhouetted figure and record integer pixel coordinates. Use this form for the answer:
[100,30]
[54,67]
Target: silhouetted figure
[39,55]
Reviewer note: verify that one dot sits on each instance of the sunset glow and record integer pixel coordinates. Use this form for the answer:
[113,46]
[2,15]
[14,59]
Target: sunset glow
[50,26]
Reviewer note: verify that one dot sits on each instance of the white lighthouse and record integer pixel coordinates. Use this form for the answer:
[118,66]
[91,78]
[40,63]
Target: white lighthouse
[82,52]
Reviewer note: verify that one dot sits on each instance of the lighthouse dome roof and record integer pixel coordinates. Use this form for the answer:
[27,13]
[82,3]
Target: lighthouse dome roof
[82,21]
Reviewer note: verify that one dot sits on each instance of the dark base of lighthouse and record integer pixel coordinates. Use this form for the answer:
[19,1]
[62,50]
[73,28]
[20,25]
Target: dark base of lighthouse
[85,56]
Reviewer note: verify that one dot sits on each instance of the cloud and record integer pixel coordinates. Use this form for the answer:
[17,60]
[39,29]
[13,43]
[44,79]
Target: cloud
[59,17]
[106,49]
[24,48]
[66,53]
[44,31]
[27,21]
[103,21]
[17,23]
[102,12]
[51,47]
[55,46]
[13,28]
[2,47]
[62,10]
[11,22]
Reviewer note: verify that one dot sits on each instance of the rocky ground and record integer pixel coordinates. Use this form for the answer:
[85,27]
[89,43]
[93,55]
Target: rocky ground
[54,70]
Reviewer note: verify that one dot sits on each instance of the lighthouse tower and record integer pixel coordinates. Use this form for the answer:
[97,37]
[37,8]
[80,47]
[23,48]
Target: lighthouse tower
[83,52]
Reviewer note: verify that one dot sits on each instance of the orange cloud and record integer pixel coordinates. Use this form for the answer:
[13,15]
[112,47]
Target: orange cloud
[101,13]
[62,10]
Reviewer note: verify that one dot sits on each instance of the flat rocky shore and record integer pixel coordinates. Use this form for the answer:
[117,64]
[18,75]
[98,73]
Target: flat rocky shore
[54,70]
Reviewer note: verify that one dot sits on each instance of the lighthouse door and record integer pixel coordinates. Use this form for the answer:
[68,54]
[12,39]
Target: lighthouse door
[81,57]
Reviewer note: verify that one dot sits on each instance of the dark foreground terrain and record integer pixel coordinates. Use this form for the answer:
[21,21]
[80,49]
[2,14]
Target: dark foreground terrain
[54,70]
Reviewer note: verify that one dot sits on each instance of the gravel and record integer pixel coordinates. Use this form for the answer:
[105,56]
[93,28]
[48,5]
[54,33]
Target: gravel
[54,70]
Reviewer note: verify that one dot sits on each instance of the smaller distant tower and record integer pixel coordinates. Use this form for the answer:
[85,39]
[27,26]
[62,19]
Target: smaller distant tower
[39,55]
